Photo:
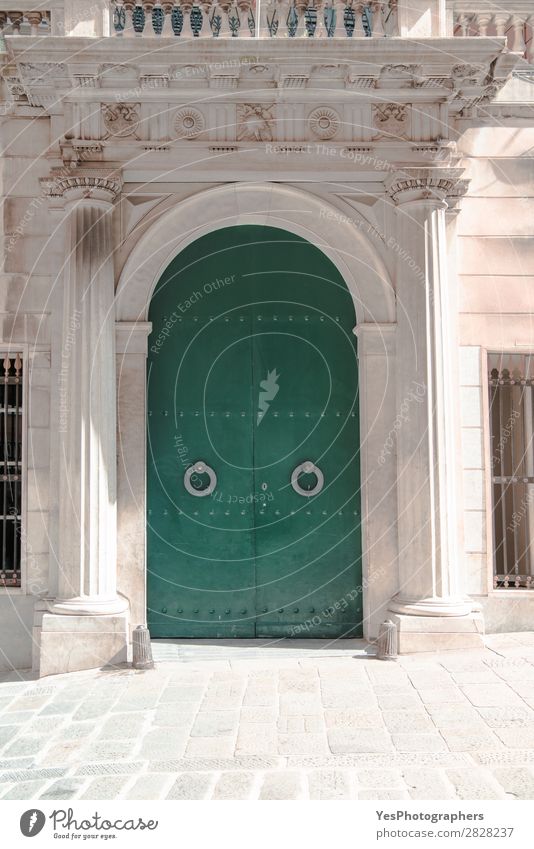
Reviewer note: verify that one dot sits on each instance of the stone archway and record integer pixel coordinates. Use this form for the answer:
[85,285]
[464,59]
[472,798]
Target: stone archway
[364,272]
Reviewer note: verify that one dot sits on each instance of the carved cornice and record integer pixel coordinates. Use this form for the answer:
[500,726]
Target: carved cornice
[103,187]
[427,184]
[443,66]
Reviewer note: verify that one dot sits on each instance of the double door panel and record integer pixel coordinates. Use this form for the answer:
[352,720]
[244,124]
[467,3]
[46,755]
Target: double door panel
[239,397]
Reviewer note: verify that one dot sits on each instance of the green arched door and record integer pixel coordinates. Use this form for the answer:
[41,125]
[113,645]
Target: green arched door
[253,519]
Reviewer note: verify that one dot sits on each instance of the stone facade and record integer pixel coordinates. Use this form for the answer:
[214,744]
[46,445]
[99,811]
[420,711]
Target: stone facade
[406,159]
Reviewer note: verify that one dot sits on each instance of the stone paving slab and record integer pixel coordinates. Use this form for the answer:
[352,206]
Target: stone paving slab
[284,720]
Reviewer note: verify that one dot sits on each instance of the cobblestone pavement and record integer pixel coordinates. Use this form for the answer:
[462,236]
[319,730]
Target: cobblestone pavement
[283,722]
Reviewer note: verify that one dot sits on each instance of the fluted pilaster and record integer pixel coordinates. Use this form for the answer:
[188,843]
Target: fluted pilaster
[87,498]
[429,568]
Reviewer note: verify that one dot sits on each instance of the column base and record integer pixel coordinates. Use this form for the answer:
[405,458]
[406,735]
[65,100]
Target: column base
[72,643]
[448,606]
[84,606]
[438,633]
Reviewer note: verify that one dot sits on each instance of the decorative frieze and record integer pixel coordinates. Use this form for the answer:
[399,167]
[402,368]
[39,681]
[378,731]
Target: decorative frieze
[391,120]
[400,75]
[324,122]
[466,74]
[14,84]
[254,100]
[255,122]
[121,119]
[188,123]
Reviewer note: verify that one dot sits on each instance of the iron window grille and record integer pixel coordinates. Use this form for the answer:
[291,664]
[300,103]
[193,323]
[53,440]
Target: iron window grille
[11,469]
[511,396]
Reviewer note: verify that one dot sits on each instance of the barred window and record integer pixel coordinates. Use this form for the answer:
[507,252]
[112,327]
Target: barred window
[511,394]
[11,472]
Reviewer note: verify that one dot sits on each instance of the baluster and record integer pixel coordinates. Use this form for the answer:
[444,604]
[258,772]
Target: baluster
[330,19]
[16,19]
[234,21]
[358,20]
[482,23]
[391,21]
[366,19]
[301,6]
[215,20]
[310,20]
[129,6]
[292,21]
[158,19]
[148,6]
[185,7]
[529,24]
[167,6]
[119,18]
[245,11]
[377,23]
[347,22]
[177,20]
[349,19]
[206,7]
[223,7]
[250,11]
[340,31]
[138,19]
[34,19]
[196,20]
[272,19]
[500,19]
[462,22]
[516,35]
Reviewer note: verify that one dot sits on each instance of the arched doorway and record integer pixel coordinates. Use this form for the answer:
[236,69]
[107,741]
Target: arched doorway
[253,479]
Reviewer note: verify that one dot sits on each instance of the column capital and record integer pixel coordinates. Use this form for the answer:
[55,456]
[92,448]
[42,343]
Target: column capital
[439,186]
[131,337]
[376,339]
[103,186]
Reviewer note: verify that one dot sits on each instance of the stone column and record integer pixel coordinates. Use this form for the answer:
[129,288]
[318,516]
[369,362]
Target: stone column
[86,624]
[432,610]
[132,338]
[376,359]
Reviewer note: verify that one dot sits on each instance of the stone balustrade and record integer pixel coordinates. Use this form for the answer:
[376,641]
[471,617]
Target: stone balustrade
[253,19]
[516,23]
[273,19]
[25,23]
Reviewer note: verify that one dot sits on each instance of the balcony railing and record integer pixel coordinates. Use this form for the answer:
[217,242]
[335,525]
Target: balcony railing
[492,19]
[25,23]
[255,19]
[276,19]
